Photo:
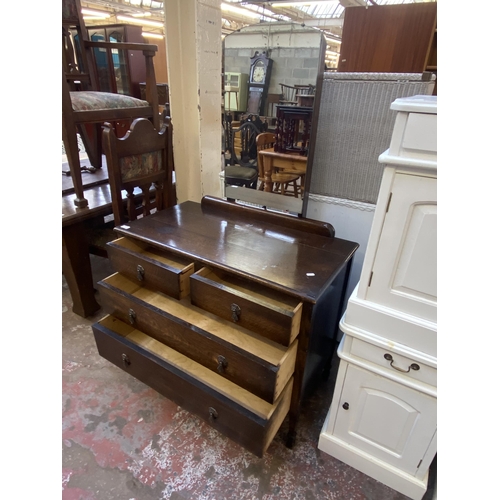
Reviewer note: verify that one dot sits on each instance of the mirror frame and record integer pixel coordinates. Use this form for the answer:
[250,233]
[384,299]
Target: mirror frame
[274,201]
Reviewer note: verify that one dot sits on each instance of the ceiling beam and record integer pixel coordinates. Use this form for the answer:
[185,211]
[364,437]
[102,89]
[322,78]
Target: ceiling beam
[337,22]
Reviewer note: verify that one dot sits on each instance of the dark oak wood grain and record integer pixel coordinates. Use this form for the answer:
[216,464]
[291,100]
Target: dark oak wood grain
[238,423]
[261,310]
[243,363]
[282,258]
[291,257]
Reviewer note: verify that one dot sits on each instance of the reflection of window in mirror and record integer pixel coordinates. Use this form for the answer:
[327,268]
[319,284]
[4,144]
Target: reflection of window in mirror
[298,57]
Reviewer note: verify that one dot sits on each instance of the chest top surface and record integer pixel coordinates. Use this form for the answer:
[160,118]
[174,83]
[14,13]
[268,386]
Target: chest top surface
[283,258]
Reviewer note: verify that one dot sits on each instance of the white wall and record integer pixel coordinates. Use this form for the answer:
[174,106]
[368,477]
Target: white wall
[352,221]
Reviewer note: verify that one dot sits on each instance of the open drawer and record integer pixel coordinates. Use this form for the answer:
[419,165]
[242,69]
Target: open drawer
[267,312]
[249,360]
[235,412]
[147,265]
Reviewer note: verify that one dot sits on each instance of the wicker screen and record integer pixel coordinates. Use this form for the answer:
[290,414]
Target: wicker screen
[355,126]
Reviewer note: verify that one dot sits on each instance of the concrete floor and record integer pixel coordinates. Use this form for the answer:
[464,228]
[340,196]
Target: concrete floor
[123,441]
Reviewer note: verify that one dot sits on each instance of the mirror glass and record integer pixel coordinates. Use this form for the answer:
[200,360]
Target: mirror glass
[272,79]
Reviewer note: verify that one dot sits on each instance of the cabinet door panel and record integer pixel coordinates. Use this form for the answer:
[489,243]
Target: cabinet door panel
[385,419]
[405,269]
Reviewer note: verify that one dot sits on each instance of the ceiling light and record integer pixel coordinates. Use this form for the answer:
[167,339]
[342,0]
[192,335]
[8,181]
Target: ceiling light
[152,35]
[142,14]
[294,4]
[239,10]
[144,22]
[95,13]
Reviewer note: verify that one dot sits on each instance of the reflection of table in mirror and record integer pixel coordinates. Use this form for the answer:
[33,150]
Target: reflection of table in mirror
[289,163]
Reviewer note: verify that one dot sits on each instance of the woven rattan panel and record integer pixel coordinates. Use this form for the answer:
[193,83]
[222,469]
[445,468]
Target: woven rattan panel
[355,126]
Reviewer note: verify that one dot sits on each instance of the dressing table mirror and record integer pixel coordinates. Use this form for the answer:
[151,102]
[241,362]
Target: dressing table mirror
[272,77]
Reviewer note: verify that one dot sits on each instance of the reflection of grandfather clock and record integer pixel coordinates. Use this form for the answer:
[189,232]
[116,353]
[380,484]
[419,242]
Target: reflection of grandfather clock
[260,76]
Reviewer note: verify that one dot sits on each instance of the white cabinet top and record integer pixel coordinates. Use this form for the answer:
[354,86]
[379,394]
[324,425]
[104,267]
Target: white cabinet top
[414,138]
[416,104]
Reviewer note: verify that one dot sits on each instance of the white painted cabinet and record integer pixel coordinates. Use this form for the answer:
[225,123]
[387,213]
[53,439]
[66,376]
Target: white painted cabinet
[404,272]
[383,418]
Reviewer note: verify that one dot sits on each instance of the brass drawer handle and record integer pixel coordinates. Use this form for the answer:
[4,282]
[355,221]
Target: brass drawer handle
[131,316]
[125,360]
[221,364]
[413,366]
[235,312]
[140,273]
[212,414]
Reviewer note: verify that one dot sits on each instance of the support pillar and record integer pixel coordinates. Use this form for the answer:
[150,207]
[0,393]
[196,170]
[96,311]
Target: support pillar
[194,61]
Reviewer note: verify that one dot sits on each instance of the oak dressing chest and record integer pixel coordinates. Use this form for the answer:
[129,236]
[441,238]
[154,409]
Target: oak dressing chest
[229,311]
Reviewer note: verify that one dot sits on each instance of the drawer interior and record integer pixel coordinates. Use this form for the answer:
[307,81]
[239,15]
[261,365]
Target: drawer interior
[225,387]
[259,294]
[146,250]
[248,341]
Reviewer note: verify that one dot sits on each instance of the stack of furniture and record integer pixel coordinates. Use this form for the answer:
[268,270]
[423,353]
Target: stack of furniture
[293,129]
[84,107]
[382,419]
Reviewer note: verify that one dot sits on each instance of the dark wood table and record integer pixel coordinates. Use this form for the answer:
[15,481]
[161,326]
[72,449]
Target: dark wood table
[76,265]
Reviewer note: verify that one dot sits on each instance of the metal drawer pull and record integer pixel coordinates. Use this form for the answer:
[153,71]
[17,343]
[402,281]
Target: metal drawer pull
[212,414]
[140,273]
[345,406]
[236,311]
[413,366]
[221,364]
[131,316]
[126,360]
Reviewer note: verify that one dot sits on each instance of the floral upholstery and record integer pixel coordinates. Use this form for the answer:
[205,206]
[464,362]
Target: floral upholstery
[141,165]
[95,101]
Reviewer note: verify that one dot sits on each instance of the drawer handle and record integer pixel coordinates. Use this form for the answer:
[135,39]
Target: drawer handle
[345,406]
[235,311]
[212,414]
[221,364]
[140,273]
[413,366]
[126,360]
[131,316]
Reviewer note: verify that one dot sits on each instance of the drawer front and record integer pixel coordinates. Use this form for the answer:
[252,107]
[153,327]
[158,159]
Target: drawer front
[151,267]
[234,412]
[199,336]
[394,362]
[261,310]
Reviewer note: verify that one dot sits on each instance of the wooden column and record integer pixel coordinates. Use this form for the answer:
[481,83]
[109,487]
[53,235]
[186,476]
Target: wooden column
[194,59]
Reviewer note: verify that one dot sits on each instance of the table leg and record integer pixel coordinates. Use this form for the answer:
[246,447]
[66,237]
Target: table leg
[78,271]
[268,167]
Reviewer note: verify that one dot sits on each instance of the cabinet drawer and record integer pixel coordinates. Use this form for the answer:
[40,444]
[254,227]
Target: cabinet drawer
[233,411]
[397,363]
[269,313]
[253,362]
[150,266]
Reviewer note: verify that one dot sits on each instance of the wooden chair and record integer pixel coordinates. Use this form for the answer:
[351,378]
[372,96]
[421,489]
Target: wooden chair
[242,169]
[288,95]
[141,165]
[281,181]
[84,108]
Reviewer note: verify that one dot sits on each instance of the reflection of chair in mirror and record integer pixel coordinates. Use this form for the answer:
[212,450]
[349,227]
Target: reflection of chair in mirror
[281,181]
[85,108]
[288,95]
[242,170]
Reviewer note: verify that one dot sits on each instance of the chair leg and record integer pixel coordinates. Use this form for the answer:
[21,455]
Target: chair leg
[295,189]
[71,147]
